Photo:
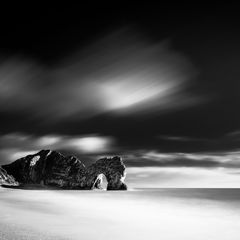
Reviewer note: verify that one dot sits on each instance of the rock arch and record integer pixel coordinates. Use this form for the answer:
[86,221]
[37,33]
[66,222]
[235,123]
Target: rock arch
[52,168]
[113,169]
[100,182]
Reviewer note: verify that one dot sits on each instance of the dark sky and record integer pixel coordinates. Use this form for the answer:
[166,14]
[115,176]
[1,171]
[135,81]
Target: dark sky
[152,77]
[156,84]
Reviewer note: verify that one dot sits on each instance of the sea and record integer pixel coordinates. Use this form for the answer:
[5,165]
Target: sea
[161,214]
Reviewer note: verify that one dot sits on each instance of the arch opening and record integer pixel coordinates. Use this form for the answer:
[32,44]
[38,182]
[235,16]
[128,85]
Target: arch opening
[101,182]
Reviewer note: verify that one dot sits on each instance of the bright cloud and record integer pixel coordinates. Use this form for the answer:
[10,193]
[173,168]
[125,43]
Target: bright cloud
[90,144]
[16,145]
[119,72]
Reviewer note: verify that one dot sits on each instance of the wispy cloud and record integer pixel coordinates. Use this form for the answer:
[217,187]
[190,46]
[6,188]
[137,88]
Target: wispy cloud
[16,145]
[121,72]
[189,177]
[181,138]
[225,159]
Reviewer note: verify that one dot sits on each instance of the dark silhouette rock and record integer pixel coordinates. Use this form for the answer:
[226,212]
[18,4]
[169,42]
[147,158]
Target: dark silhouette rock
[53,169]
[6,179]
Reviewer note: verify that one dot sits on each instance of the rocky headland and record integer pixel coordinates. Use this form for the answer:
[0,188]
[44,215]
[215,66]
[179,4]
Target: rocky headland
[51,168]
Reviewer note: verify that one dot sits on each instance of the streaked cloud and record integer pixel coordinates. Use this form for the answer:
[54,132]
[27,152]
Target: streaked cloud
[189,177]
[121,73]
[181,138]
[127,74]
[225,159]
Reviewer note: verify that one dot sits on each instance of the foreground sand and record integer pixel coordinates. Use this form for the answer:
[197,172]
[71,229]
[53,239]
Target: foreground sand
[140,214]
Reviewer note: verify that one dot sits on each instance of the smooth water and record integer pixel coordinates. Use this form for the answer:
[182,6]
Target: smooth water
[134,214]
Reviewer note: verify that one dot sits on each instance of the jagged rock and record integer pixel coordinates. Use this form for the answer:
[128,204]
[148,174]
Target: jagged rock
[52,168]
[6,179]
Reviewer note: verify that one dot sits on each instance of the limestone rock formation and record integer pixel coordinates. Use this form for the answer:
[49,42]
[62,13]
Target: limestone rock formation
[52,168]
[6,179]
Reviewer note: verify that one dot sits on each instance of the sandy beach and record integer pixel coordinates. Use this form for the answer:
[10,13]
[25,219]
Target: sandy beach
[135,214]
